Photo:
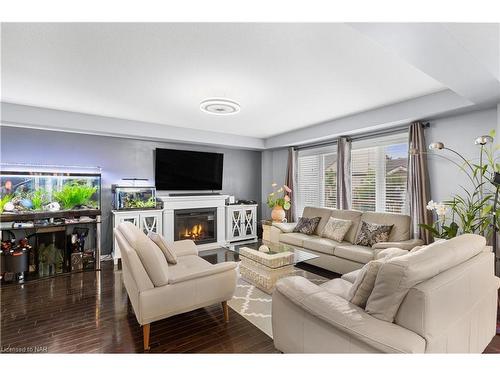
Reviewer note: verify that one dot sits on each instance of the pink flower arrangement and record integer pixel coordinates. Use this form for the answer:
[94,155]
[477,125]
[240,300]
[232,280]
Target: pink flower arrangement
[279,197]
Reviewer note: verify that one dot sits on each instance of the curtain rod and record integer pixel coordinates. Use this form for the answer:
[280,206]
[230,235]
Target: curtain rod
[358,137]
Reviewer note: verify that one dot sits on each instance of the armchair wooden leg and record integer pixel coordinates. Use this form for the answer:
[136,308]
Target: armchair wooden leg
[145,334]
[225,308]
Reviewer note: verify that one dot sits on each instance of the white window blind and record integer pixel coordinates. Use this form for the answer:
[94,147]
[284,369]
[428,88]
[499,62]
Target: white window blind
[379,174]
[363,177]
[308,182]
[330,180]
[316,178]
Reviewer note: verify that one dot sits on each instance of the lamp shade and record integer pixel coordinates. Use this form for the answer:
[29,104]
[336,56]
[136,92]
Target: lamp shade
[436,146]
[484,139]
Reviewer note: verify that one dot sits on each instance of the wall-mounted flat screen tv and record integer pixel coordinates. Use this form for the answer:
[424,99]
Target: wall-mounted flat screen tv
[188,170]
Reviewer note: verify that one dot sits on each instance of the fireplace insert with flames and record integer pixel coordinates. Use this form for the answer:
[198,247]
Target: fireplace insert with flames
[199,225]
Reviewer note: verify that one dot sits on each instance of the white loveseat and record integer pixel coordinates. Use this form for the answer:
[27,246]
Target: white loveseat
[158,290]
[343,257]
[451,307]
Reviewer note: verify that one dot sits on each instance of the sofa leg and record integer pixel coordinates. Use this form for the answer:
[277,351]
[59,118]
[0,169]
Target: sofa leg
[145,334]
[225,308]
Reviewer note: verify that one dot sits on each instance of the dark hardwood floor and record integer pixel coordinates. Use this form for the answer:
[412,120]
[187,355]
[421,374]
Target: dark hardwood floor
[82,313]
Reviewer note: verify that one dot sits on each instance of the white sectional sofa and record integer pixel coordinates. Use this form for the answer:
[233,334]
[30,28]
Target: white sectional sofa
[345,257]
[441,298]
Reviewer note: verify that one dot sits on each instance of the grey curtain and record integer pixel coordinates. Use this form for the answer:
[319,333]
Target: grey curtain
[418,185]
[344,146]
[289,181]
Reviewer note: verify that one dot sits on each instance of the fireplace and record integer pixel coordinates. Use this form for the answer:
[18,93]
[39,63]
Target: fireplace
[198,224]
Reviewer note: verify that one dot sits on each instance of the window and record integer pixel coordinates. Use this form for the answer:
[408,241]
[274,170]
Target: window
[379,175]
[363,176]
[330,180]
[308,182]
[316,179]
[378,180]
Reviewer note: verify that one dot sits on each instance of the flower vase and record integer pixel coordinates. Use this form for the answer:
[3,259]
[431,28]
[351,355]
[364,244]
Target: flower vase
[278,214]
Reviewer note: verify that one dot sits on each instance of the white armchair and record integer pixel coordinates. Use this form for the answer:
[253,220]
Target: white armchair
[158,290]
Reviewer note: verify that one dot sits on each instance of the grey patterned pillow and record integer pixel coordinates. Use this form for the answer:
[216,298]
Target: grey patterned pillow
[336,229]
[371,233]
[307,225]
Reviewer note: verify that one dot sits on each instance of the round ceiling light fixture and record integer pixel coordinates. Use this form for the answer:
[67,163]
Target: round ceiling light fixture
[220,106]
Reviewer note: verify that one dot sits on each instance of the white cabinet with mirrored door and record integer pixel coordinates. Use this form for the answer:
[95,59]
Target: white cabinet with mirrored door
[147,220]
[241,222]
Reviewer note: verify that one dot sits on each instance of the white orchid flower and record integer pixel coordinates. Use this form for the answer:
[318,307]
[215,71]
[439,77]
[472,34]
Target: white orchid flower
[441,209]
[431,205]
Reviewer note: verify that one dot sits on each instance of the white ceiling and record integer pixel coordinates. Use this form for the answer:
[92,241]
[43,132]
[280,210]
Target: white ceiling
[285,76]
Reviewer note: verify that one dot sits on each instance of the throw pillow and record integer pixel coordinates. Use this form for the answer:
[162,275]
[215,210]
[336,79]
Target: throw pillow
[164,246]
[307,225]
[365,287]
[336,229]
[361,273]
[371,233]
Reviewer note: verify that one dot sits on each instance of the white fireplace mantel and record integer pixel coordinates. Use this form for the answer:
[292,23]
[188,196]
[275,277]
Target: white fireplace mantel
[172,203]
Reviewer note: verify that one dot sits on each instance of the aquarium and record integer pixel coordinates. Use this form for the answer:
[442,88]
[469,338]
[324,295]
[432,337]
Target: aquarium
[32,191]
[133,197]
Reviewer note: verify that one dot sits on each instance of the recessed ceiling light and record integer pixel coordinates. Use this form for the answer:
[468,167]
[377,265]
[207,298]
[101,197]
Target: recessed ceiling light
[220,106]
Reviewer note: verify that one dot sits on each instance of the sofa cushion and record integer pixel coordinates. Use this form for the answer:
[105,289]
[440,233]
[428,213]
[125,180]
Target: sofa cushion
[323,213]
[165,247]
[361,254]
[151,256]
[323,245]
[296,239]
[354,216]
[401,273]
[401,224]
[307,225]
[338,287]
[187,265]
[336,229]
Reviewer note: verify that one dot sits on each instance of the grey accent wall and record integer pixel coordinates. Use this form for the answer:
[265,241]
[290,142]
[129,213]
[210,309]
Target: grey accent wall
[456,132]
[120,158]
[274,164]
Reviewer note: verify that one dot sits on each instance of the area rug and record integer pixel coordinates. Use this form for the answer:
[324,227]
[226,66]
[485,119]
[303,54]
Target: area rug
[255,305]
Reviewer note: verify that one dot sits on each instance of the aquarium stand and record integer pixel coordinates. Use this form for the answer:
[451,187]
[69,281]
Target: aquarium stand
[56,243]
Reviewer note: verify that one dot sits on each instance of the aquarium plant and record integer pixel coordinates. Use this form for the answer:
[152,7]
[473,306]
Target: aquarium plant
[39,198]
[139,203]
[4,200]
[74,195]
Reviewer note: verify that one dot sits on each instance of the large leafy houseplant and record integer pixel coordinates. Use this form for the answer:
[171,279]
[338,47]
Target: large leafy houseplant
[471,210]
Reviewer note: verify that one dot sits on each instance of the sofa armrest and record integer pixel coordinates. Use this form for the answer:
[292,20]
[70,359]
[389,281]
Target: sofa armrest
[185,247]
[212,270]
[405,245]
[349,318]
[285,227]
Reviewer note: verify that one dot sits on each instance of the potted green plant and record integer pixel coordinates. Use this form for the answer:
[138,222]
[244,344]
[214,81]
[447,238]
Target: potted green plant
[471,209]
[279,201]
